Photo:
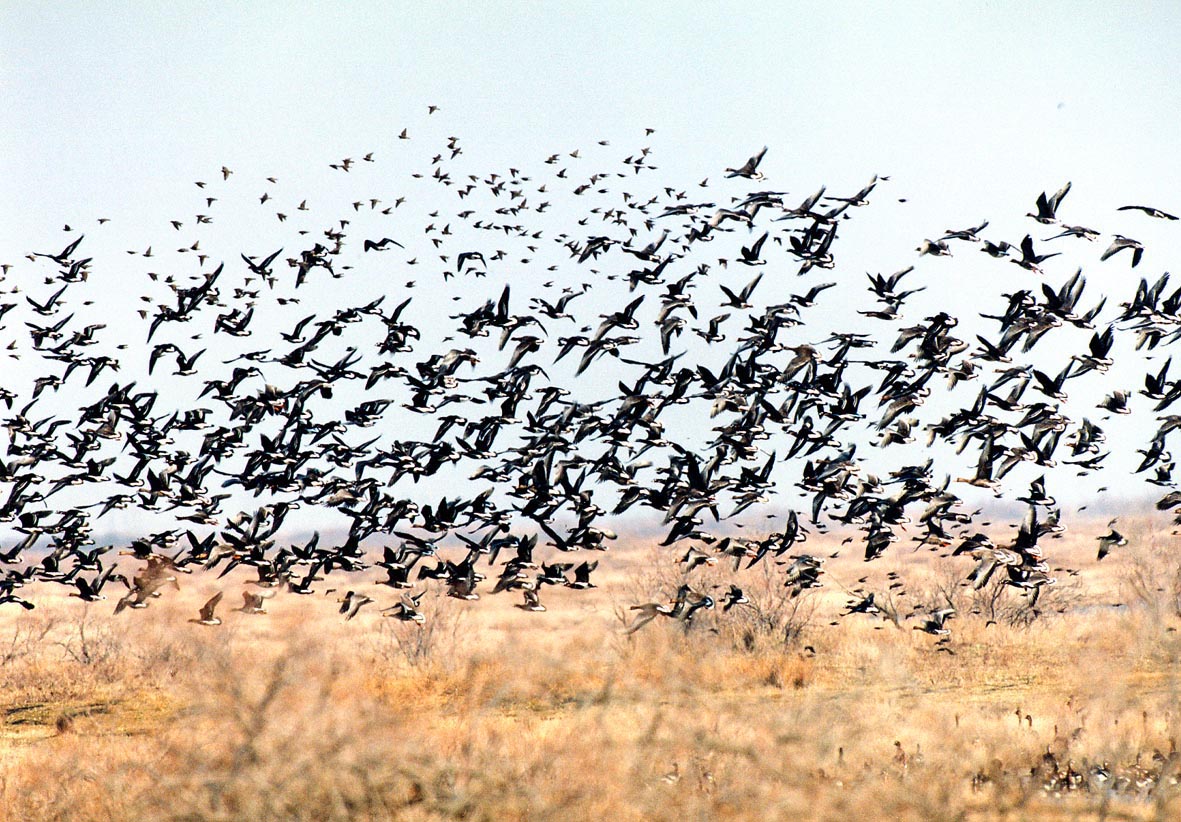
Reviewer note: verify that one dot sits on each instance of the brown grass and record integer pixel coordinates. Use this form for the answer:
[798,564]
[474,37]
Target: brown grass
[493,713]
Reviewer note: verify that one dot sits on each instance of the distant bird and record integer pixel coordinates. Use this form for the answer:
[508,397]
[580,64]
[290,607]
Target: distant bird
[648,612]
[1000,249]
[865,605]
[750,256]
[734,596]
[582,575]
[933,624]
[352,602]
[936,248]
[1047,207]
[252,601]
[532,601]
[1119,244]
[740,300]
[1029,259]
[1151,212]
[8,597]
[380,245]
[206,616]
[1112,539]
[407,609]
[749,169]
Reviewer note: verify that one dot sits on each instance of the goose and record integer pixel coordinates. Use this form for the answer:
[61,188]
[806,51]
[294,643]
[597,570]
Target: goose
[648,612]
[582,575]
[706,602]
[1112,539]
[739,300]
[1085,233]
[406,609]
[997,250]
[252,601]
[695,558]
[936,248]
[532,601]
[351,603]
[1119,244]
[1047,207]
[749,169]
[750,255]
[206,615]
[7,597]
[865,605]
[934,622]
[674,608]
[1029,259]
[734,596]
[1149,210]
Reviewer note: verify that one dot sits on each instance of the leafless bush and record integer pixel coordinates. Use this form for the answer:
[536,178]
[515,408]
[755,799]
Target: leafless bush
[997,600]
[290,739]
[1152,577]
[92,642]
[25,638]
[419,643]
[774,614]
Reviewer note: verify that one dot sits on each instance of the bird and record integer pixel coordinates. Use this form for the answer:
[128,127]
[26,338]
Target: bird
[1118,244]
[734,596]
[1112,539]
[1150,211]
[407,609]
[582,574]
[749,169]
[934,623]
[252,601]
[750,256]
[1029,259]
[382,244]
[352,602]
[206,615]
[1047,207]
[532,601]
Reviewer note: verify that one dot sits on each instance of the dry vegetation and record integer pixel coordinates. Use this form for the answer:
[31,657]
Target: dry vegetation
[488,712]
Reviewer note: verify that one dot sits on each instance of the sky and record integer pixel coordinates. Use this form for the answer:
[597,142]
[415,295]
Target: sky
[118,103]
[971,110]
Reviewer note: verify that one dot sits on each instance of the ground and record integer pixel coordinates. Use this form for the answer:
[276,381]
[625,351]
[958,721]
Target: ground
[490,712]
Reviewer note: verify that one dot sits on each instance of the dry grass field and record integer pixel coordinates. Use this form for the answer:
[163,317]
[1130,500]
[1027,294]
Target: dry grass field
[489,712]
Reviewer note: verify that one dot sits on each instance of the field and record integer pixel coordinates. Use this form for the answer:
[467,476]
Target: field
[490,712]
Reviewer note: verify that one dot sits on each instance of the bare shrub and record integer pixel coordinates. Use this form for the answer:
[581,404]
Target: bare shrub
[774,614]
[434,640]
[997,600]
[290,739]
[92,642]
[25,638]
[1152,576]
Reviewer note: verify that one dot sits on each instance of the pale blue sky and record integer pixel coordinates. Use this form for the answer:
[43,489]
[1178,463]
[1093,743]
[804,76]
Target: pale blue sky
[974,102]
[972,109]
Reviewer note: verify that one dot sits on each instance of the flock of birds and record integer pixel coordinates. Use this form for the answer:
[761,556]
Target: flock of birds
[249,389]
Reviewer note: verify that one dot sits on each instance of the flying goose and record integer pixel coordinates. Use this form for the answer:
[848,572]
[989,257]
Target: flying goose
[749,169]
[1119,244]
[933,624]
[351,603]
[252,601]
[206,616]
[1150,211]
[1047,207]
